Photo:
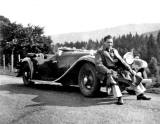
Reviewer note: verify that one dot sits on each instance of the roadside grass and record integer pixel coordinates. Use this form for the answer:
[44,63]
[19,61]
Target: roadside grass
[155,86]
[153,90]
[7,71]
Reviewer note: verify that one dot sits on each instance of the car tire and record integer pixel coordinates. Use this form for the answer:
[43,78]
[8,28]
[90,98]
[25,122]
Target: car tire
[26,75]
[87,80]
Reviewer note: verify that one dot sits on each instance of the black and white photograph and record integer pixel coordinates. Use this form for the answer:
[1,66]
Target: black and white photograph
[80,62]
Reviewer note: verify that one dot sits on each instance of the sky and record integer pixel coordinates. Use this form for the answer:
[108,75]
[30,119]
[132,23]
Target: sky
[65,16]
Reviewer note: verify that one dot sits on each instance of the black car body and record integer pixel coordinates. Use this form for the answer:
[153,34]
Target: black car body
[67,66]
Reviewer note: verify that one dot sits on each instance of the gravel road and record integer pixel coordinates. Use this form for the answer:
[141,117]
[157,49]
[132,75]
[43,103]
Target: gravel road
[47,103]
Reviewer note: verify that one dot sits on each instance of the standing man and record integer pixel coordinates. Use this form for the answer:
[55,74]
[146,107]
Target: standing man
[108,62]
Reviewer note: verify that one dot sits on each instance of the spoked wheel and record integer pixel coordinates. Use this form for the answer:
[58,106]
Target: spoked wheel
[27,75]
[87,80]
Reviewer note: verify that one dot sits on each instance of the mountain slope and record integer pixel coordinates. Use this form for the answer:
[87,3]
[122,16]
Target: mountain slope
[98,34]
[154,33]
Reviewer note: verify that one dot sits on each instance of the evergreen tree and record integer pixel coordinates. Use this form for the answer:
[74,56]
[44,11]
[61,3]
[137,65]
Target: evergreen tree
[158,38]
[152,47]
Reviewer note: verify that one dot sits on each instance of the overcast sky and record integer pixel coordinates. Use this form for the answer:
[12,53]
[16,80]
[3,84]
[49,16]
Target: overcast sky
[64,16]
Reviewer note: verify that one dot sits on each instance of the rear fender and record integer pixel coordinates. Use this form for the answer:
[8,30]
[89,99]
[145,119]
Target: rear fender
[30,64]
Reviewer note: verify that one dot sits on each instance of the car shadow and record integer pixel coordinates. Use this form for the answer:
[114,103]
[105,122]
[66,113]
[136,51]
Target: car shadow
[57,95]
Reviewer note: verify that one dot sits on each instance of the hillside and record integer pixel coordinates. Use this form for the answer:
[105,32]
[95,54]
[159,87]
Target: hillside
[98,34]
[154,33]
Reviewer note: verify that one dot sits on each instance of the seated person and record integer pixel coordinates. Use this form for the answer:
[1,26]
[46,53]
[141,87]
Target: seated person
[108,61]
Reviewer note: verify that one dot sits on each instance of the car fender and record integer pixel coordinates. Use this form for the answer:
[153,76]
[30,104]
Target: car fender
[81,60]
[88,58]
[30,63]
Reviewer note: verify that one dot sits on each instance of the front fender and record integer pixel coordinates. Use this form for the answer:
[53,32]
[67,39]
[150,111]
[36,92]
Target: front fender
[76,66]
[88,58]
[30,64]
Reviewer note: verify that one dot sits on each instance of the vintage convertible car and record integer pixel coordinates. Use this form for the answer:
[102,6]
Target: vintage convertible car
[67,66]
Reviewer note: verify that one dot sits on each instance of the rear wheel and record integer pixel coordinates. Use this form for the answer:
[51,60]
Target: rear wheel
[27,75]
[87,80]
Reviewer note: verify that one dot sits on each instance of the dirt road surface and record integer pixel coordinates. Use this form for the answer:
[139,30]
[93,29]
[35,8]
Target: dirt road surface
[54,104]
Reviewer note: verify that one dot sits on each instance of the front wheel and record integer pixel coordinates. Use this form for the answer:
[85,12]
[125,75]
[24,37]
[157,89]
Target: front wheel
[87,80]
[27,75]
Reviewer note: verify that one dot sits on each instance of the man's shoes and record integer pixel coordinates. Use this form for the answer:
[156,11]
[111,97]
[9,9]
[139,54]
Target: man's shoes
[120,101]
[142,97]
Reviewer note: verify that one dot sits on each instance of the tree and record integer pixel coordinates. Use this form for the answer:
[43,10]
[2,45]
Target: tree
[3,21]
[91,44]
[33,34]
[18,39]
[152,47]
[158,38]
[30,35]
[12,31]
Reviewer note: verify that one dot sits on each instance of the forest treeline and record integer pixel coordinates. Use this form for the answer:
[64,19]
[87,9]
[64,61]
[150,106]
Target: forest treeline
[146,46]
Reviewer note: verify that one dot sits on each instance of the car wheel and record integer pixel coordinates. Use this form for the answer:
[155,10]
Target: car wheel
[87,80]
[27,75]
